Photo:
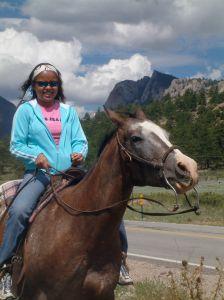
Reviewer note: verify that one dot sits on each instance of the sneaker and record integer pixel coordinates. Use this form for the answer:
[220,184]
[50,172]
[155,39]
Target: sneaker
[1,289]
[124,278]
[5,287]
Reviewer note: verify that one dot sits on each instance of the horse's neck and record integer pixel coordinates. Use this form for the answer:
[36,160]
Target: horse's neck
[108,180]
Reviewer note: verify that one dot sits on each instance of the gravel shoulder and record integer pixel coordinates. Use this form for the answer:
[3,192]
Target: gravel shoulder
[145,270]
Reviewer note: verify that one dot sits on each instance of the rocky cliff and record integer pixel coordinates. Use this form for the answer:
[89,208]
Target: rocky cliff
[178,87]
[157,86]
[142,91]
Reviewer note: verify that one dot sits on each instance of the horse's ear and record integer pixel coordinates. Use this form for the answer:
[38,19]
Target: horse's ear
[114,117]
[139,114]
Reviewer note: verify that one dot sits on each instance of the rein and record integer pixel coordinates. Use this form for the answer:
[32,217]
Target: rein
[75,211]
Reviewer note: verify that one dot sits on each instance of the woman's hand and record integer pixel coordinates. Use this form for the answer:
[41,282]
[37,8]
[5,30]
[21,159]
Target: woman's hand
[76,158]
[42,162]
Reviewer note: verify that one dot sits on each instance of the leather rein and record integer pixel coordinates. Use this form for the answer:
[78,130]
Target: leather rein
[131,156]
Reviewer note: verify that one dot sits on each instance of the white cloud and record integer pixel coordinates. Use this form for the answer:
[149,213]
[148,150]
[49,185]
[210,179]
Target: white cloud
[212,73]
[25,48]
[215,74]
[95,86]
[21,51]
[126,23]
[168,30]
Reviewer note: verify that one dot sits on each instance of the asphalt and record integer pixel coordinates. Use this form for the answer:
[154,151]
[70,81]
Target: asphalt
[172,243]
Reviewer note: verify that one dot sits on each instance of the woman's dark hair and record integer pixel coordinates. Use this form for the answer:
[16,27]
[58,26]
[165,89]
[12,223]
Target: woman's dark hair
[30,83]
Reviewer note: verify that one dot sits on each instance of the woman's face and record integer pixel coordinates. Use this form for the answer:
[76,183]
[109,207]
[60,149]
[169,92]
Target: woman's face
[46,87]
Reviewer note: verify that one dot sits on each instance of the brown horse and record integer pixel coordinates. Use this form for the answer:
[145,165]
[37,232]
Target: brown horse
[70,256]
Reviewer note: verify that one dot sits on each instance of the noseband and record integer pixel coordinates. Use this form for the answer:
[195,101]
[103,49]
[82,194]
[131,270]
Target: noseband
[160,166]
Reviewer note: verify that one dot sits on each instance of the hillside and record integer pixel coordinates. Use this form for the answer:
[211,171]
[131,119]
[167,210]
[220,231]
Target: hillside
[194,120]
[7,110]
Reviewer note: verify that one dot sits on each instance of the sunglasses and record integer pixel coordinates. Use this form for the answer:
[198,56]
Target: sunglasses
[46,83]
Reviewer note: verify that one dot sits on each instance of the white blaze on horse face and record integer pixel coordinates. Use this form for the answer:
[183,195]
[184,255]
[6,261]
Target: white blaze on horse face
[149,127]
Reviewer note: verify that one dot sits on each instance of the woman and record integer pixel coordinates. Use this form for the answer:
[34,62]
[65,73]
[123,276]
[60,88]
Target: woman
[47,135]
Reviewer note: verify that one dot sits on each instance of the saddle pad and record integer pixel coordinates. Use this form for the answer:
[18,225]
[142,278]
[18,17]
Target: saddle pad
[8,190]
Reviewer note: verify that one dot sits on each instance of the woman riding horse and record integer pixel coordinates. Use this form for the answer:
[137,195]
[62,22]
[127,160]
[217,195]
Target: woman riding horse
[46,133]
[72,250]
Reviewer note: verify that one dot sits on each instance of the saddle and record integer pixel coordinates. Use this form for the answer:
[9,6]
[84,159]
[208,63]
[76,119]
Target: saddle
[8,192]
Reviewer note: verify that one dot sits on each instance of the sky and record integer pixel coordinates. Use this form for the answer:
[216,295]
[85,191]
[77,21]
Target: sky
[97,43]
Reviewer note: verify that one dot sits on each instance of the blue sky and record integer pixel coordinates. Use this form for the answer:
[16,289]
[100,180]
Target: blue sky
[96,43]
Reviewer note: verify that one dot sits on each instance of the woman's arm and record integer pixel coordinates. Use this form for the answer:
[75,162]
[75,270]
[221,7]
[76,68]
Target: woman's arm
[19,136]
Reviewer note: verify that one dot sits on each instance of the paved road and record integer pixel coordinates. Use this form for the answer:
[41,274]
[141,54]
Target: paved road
[175,242]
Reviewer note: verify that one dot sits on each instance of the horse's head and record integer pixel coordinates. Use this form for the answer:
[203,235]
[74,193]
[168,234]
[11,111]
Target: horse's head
[150,156]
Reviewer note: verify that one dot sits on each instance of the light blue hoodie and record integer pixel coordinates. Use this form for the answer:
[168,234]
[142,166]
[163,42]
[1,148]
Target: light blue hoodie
[30,136]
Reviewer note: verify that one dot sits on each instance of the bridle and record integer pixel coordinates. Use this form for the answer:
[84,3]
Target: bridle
[160,165]
[131,156]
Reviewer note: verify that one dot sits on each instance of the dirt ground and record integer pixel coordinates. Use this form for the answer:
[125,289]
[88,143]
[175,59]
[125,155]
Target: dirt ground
[141,270]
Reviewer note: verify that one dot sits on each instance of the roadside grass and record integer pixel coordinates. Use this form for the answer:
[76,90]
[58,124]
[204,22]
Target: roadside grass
[211,209]
[189,284]
[145,290]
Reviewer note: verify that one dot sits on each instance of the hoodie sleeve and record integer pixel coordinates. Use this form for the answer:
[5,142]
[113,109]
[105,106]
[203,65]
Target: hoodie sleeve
[19,136]
[79,141]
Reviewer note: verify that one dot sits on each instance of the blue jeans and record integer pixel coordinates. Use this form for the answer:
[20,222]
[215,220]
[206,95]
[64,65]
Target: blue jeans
[123,237]
[20,212]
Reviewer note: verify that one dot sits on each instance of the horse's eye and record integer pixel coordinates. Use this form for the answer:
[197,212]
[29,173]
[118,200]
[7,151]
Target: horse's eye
[136,139]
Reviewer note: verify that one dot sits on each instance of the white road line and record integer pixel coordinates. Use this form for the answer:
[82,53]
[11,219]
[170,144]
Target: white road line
[167,260]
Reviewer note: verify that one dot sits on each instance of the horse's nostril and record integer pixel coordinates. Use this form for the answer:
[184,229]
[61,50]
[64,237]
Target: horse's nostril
[182,167]
[182,170]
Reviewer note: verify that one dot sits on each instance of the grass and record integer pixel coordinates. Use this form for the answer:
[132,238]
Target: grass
[188,285]
[153,290]
[211,195]
[211,208]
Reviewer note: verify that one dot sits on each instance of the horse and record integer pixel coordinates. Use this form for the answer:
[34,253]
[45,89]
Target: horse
[72,249]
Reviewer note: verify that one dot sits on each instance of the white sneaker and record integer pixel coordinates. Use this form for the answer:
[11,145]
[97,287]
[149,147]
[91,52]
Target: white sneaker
[124,278]
[5,287]
[1,289]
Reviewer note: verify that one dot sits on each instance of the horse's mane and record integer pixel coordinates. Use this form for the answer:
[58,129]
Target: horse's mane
[108,136]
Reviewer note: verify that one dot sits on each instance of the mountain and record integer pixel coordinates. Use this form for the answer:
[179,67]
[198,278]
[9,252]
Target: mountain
[178,87]
[141,91]
[7,110]
[154,88]
[126,92]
